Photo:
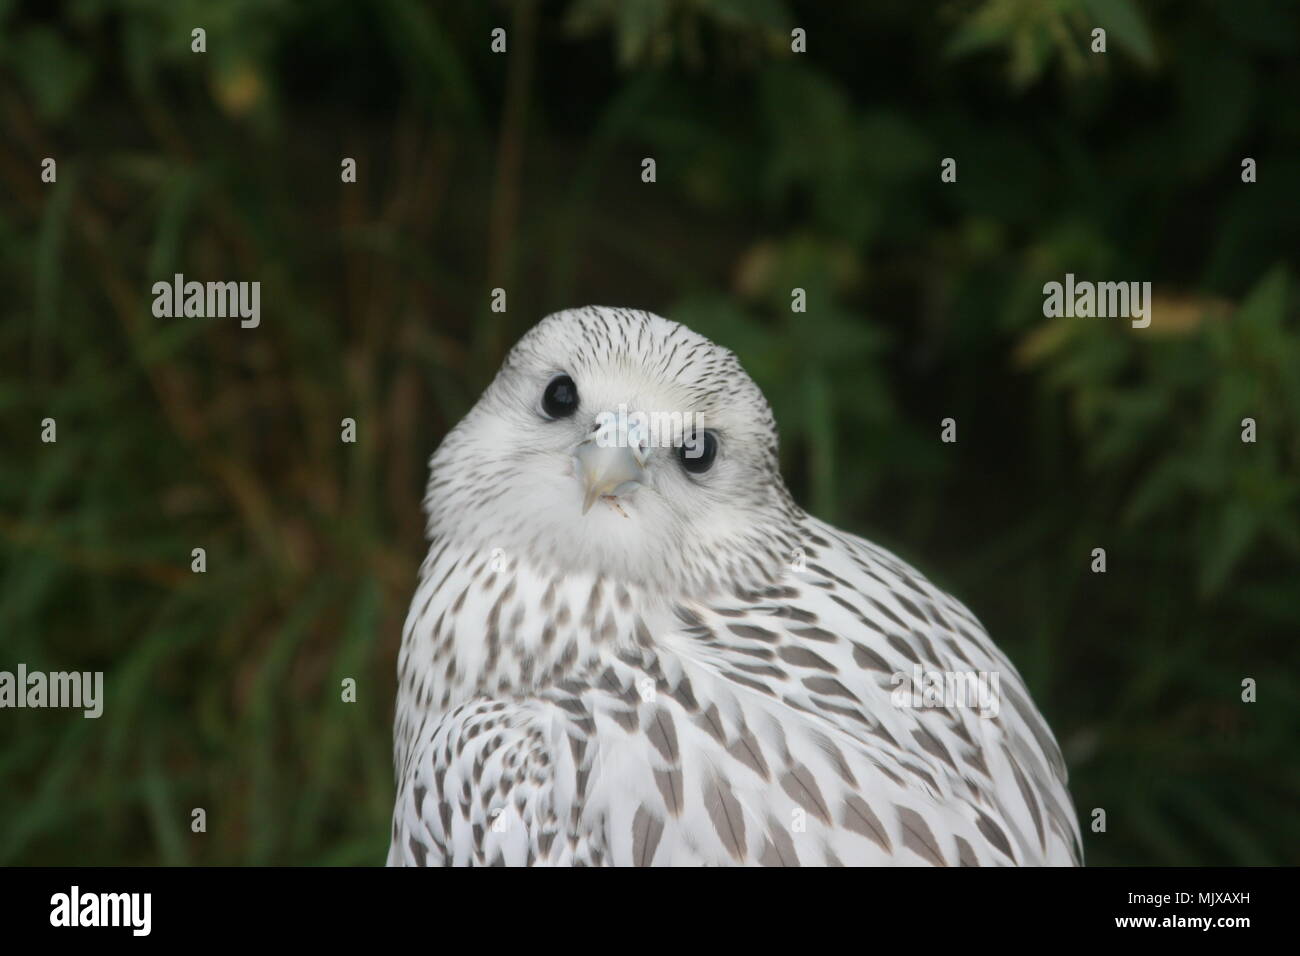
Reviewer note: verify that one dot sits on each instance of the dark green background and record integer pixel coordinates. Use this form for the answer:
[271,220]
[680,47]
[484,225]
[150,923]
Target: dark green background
[523,171]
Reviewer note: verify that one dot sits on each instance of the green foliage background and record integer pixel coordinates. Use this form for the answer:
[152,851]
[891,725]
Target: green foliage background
[522,171]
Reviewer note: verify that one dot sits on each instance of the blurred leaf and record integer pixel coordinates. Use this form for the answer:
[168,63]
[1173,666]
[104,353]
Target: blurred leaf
[56,74]
[1224,548]
[1121,19]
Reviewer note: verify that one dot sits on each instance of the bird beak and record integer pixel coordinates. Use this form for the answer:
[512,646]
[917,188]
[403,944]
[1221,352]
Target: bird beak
[607,470]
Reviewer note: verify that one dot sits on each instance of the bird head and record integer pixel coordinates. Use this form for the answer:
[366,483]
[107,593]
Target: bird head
[617,442]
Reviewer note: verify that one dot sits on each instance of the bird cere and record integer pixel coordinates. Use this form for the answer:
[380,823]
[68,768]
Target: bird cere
[654,683]
[638,432]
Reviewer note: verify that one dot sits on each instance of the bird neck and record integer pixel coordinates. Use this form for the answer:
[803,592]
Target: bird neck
[484,624]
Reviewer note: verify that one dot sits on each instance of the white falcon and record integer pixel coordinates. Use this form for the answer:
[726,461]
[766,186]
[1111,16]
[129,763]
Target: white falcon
[635,652]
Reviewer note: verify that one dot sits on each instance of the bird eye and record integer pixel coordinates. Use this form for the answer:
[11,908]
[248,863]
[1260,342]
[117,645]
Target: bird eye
[697,457]
[560,400]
